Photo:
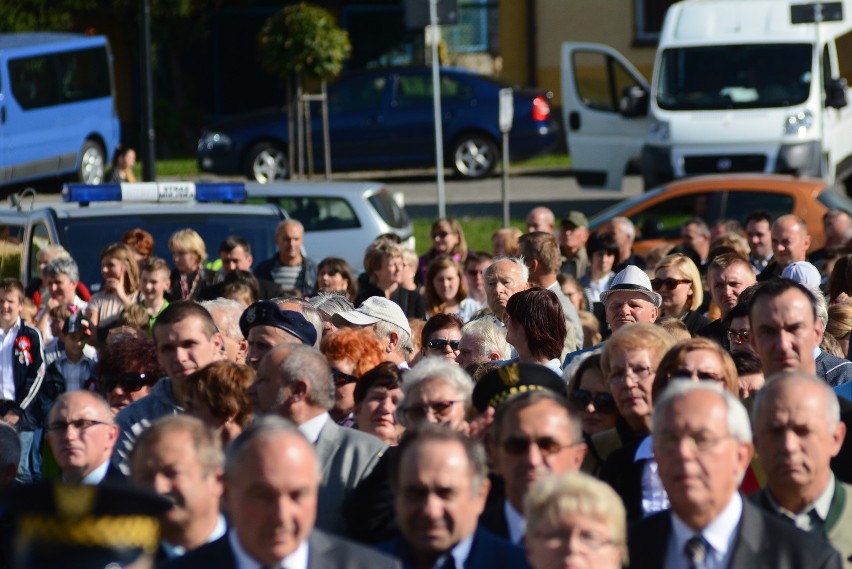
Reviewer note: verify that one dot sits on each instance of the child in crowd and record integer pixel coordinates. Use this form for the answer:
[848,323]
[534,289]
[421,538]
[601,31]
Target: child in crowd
[155,282]
[73,368]
[53,348]
[22,362]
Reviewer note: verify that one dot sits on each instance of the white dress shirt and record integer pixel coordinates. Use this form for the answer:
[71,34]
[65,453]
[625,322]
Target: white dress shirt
[296,560]
[654,497]
[720,535]
[516,522]
[459,553]
[97,475]
[313,427]
[7,355]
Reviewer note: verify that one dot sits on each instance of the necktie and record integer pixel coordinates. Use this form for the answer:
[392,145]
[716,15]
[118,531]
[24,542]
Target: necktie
[696,551]
[450,563]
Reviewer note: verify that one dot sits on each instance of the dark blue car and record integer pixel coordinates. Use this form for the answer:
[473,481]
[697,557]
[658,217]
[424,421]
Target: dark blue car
[383,119]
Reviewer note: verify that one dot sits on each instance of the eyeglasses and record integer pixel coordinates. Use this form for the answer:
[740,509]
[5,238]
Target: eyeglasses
[668,284]
[738,336]
[619,376]
[669,443]
[79,424]
[441,345]
[439,234]
[603,402]
[546,446]
[341,378]
[588,540]
[440,409]
[130,382]
[697,374]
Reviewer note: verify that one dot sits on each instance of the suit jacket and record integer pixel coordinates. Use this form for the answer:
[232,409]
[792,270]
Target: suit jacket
[324,551]
[487,552]
[763,542]
[625,474]
[493,517]
[346,456]
[114,477]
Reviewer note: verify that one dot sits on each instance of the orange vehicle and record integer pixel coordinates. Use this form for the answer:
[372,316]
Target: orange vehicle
[659,214]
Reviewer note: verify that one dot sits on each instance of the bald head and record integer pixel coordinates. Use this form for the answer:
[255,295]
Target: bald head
[790,240]
[541,219]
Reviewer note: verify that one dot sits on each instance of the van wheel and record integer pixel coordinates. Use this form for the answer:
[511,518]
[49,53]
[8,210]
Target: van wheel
[266,162]
[92,163]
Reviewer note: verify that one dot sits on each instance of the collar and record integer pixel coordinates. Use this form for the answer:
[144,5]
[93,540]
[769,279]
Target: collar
[719,533]
[821,505]
[297,559]
[817,352]
[459,553]
[96,476]
[172,551]
[13,330]
[313,427]
[645,450]
[555,365]
[516,523]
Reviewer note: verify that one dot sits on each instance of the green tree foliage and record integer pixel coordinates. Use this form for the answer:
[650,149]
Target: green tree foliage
[303,40]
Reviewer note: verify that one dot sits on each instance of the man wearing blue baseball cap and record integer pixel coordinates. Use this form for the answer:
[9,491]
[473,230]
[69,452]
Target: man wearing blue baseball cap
[265,326]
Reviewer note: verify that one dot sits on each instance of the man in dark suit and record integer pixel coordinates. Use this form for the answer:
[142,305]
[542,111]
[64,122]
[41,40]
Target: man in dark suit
[271,493]
[702,444]
[797,431]
[535,434]
[81,433]
[180,459]
[294,382]
[440,484]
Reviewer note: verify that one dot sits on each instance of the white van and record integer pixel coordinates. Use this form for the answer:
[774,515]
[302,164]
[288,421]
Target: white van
[738,86]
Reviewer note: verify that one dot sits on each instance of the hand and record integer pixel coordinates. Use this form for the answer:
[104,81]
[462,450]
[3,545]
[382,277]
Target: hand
[11,418]
[479,426]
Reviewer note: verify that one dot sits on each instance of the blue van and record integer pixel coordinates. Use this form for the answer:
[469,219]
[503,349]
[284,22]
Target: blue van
[57,107]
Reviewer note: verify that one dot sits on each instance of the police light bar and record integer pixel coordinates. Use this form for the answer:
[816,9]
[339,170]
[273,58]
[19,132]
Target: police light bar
[155,192]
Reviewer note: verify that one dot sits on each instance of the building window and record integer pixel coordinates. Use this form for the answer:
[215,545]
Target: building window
[649,19]
[471,33]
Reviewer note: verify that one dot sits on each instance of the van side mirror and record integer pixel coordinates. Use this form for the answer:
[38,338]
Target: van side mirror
[634,102]
[835,93]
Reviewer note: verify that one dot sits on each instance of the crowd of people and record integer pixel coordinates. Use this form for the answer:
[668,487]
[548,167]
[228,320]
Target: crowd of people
[559,401]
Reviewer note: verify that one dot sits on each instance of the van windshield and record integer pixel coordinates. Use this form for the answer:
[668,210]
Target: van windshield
[734,77]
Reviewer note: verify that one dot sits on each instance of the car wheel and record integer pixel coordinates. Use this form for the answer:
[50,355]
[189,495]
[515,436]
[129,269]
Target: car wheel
[474,156]
[92,163]
[266,162]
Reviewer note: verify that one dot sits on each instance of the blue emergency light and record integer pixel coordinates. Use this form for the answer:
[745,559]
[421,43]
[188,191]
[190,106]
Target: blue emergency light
[156,192]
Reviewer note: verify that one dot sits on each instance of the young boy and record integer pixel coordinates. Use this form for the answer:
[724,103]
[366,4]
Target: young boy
[154,283]
[73,368]
[21,375]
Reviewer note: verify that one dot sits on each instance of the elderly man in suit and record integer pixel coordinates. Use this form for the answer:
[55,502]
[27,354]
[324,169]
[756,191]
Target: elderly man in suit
[440,484]
[702,443]
[294,382]
[797,432]
[272,483]
[81,433]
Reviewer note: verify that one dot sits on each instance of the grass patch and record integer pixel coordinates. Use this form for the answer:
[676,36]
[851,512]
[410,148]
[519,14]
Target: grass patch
[477,231]
[545,161]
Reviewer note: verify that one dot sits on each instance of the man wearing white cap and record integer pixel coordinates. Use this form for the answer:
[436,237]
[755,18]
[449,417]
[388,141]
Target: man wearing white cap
[630,299]
[388,322]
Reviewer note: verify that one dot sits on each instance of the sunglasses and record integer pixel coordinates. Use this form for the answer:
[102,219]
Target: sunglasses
[439,234]
[420,412]
[129,382]
[738,336]
[668,284]
[546,446]
[341,378]
[603,402]
[442,344]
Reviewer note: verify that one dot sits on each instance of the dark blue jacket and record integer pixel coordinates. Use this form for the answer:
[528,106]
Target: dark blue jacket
[28,373]
[487,552]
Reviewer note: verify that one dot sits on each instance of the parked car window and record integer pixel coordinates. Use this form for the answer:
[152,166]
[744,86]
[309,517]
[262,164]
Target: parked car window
[416,90]
[11,249]
[740,204]
[665,219]
[389,210]
[320,214]
[357,94]
[53,79]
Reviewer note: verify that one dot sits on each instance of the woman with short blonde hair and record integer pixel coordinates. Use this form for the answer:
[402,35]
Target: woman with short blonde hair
[677,280]
[190,276]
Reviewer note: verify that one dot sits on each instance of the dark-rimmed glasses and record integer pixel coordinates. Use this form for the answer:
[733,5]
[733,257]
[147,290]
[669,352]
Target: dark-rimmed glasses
[668,284]
[79,424]
[129,382]
[441,345]
[341,378]
[603,402]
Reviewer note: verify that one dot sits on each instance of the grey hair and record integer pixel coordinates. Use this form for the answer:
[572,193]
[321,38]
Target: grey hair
[308,364]
[739,426]
[383,328]
[54,249]
[517,261]
[774,382]
[820,305]
[266,426]
[62,265]
[629,228]
[290,221]
[307,310]
[99,400]
[10,446]
[437,368]
[331,302]
[489,336]
[230,311]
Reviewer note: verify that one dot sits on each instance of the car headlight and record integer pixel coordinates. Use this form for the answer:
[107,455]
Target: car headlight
[211,140]
[658,131]
[799,123]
